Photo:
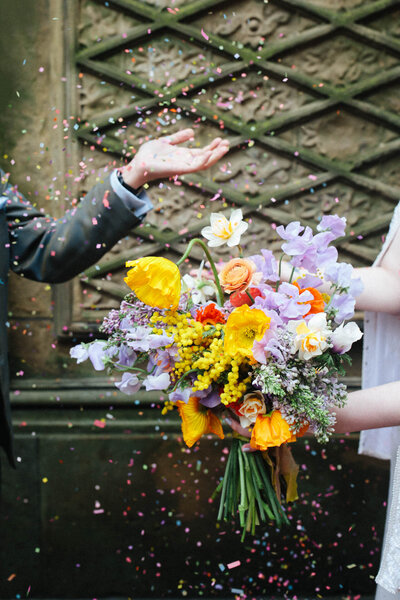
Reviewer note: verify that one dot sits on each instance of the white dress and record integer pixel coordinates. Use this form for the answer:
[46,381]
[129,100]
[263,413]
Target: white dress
[381,364]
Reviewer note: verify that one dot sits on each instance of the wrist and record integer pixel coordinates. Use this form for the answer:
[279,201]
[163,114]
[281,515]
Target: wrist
[132,177]
[133,185]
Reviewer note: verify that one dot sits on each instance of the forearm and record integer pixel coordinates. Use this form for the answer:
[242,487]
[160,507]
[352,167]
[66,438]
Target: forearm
[381,291]
[55,250]
[370,408]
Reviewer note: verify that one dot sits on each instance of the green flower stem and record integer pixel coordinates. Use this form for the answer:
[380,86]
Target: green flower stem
[181,378]
[220,294]
[279,273]
[291,274]
[224,486]
[123,369]
[243,506]
[250,296]
[256,485]
[275,506]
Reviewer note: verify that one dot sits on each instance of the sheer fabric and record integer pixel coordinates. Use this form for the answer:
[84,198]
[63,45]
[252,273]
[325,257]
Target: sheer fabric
[381,364]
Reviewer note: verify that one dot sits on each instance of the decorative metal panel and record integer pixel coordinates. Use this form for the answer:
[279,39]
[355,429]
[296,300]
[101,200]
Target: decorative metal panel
[307,92]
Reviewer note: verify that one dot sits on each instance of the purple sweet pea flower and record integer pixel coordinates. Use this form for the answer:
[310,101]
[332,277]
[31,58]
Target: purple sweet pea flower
[181,395]
[141,339]
[209,397]
[126,324]
[80,353]
[157,382]
[259,348]
[300,245]
[273,347]
[341,274]
[343,305]
[288,301]
[127,356]
[293,306]
[291,232]
[96,354]
[162,360]
[308,280]
[333,223]
[129,383]
[266,264]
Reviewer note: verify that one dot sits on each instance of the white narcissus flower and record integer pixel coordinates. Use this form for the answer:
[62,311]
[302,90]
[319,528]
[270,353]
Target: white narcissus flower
[221,231]
[344,337]
[198,288]
[310,339]
[253,405]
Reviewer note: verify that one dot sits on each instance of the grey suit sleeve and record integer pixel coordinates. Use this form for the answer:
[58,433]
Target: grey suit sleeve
[54,250]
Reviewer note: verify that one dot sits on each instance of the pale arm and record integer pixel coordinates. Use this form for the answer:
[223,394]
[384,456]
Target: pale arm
[370,408]
[382,284]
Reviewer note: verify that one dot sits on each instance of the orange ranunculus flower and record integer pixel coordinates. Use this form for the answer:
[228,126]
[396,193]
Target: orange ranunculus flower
[236,275]
[271,431]
[197,420]
[156,281]
[318,304]
[210,315]
[243,327]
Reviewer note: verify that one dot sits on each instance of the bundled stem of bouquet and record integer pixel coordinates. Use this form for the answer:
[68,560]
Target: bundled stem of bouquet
[270,355]
[246,490]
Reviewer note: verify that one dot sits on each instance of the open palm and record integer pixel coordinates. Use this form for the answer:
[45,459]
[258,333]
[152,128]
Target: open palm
[163,157]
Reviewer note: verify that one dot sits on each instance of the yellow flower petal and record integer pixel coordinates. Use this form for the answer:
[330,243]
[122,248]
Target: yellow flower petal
[197,420]
[244,326]
[270,431]
[155,280]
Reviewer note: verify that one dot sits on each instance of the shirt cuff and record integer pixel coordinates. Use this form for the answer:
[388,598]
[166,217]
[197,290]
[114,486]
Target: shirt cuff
[140,204]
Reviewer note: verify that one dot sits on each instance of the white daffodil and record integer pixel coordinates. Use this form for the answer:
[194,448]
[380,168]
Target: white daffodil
[344,336]
[221,231]
[310,339]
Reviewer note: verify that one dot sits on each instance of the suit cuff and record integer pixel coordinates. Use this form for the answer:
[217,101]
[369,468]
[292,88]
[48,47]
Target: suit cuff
[139,204]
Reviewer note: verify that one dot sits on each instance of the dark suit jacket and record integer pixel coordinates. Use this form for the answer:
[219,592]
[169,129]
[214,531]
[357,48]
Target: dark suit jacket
[51,250]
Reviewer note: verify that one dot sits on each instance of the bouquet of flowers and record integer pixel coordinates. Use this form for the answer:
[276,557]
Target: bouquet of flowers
[265,354]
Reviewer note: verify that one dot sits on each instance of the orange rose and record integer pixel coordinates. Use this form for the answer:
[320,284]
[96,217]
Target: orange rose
[237,275]
[317,304]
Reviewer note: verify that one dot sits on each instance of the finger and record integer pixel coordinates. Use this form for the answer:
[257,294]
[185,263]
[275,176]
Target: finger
[215,156]
[198,163]
[215,142]
[237,427]
[177,138]
[248,448]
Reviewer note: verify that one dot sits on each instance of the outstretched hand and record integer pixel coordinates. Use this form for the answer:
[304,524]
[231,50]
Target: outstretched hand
[163,157]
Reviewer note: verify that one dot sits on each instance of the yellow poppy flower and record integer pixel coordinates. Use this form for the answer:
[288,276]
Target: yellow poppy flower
[156,281]
[243,327]
[197,420]
[271,431]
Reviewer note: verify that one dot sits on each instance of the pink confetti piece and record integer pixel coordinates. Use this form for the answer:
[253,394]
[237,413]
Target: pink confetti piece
[98,423]
[234,564]
[205,36]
